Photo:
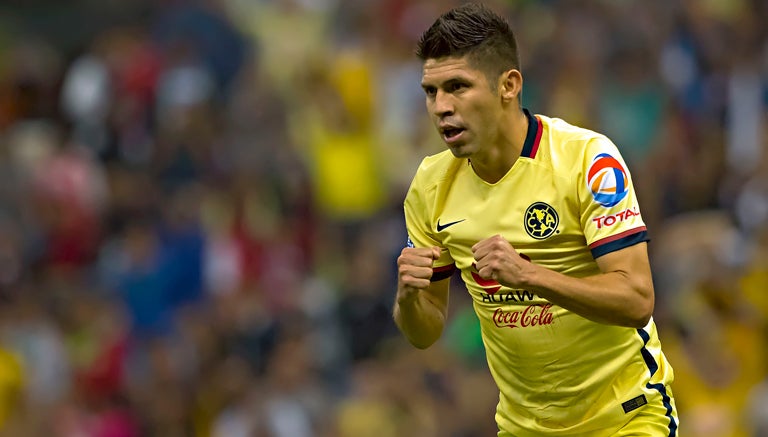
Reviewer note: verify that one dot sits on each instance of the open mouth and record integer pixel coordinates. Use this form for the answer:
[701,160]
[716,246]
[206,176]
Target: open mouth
[452,133]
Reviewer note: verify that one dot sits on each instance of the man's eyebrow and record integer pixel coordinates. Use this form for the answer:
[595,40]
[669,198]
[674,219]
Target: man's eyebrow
[455,80]
[445,83]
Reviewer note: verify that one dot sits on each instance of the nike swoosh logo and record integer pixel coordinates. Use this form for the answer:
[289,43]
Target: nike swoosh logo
[441,227]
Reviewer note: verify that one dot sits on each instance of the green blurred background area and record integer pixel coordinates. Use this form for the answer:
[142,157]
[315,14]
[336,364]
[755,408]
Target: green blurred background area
[201,208]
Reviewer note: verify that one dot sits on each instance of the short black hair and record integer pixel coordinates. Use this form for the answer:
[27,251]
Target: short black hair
[475,31]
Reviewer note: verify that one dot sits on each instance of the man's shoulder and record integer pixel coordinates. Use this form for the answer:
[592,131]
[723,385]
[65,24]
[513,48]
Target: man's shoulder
[563,131]
[567,143]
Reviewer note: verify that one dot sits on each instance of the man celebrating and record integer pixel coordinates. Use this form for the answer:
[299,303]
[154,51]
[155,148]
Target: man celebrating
[542,221]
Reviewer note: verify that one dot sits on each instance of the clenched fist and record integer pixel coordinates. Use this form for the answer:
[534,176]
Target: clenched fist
[414,271]
[496,259]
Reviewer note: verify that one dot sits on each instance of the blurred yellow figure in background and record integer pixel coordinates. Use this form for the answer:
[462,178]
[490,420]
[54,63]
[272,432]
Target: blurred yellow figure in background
[11,385]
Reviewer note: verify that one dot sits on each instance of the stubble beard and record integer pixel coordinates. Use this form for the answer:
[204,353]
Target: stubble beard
[463,150]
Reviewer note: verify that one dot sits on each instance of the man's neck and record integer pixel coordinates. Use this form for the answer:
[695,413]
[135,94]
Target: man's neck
[496,161]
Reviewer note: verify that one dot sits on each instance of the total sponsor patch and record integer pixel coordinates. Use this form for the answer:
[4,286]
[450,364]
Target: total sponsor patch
[619,217]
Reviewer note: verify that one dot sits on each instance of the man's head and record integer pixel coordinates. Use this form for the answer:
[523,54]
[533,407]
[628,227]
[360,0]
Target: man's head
[471,81]
[475,32]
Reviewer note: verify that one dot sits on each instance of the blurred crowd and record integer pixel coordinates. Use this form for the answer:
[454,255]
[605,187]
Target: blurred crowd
[201,207]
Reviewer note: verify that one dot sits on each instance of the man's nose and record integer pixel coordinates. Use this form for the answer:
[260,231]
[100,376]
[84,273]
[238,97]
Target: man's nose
[443,104]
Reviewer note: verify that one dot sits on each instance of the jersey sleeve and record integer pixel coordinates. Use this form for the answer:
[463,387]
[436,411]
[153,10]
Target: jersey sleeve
[610,213]
[419,227]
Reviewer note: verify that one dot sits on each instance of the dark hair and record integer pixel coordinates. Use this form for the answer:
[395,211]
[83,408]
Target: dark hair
[475,31]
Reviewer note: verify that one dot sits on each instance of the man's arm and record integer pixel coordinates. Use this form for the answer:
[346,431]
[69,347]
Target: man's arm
[421,306]
[621,295]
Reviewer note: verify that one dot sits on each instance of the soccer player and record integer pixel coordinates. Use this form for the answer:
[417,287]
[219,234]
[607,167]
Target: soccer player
[541,219]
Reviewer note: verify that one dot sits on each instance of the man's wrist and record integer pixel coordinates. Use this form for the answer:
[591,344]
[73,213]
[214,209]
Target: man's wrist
[406,297]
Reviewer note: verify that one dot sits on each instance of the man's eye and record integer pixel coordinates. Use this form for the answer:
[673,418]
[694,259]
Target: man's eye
[457,86]
[430,91]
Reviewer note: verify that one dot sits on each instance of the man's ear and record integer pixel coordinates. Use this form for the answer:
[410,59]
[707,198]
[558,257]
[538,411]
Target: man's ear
[510,85]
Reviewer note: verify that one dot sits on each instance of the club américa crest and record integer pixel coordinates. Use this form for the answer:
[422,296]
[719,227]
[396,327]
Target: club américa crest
[541,220]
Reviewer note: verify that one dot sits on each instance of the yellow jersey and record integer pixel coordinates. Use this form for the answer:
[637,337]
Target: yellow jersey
[566,201]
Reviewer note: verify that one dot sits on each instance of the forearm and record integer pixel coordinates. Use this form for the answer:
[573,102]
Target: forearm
[613,298]
[622,294]
[419,319]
